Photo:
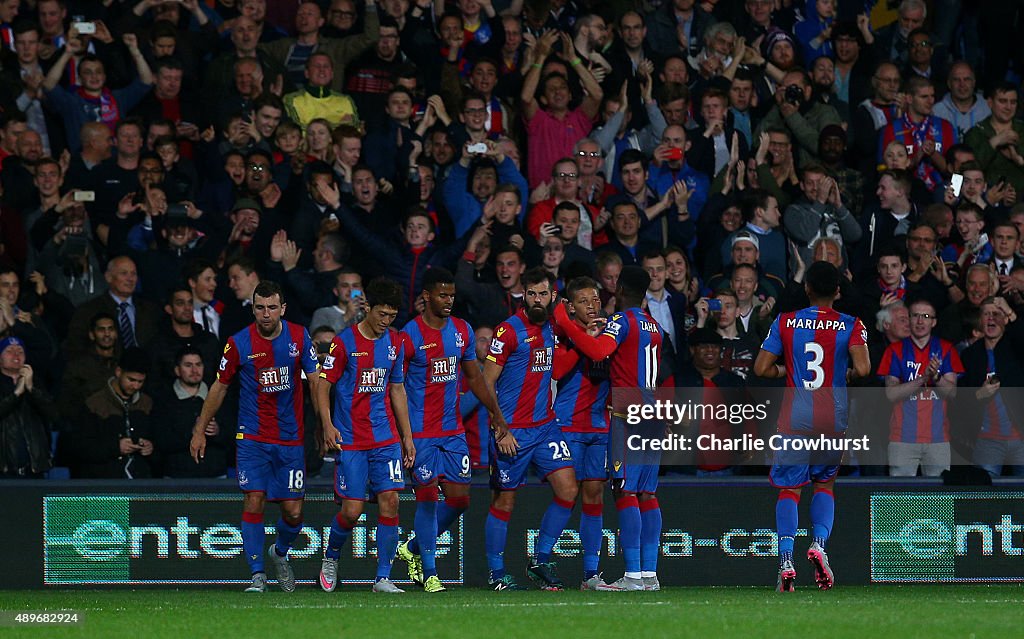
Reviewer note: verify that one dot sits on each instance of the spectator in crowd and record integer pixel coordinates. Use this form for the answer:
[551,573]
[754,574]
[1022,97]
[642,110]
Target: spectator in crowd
[27,413]
[136,317]
[998,140]
[989,363]
[920,372]
[350,303]
[89,372]
[797,113]
[114,438]
[95,101]
[180,399]
[180,330]
[242,280]
[962,106]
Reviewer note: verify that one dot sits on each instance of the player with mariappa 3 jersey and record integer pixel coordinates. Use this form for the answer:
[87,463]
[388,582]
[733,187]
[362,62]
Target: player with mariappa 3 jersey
[268,358]
[519,367]
[366,363]
[816,344]
[635,343]
[439,349]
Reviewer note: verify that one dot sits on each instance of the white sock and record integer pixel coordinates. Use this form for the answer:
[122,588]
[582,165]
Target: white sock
[649,573]
[634,575]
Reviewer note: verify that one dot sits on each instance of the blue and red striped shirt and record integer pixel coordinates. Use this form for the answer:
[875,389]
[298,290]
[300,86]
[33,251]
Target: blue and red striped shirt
[526,352]
[432,370]
[815,344]
[361,370]
[922,417]
[913,135]
[270,405]
[636,362]
[582,398]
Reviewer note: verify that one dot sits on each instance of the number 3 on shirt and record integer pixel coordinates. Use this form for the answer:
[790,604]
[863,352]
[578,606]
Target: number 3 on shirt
[817,355]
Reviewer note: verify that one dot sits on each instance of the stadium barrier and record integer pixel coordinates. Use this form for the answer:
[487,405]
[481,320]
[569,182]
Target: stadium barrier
[176,534]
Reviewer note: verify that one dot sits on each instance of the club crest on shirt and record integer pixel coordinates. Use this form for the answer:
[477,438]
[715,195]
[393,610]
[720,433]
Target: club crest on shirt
[392,353]
[293,349]
[459,341]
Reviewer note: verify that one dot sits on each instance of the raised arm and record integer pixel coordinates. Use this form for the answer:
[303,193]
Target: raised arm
[541,51]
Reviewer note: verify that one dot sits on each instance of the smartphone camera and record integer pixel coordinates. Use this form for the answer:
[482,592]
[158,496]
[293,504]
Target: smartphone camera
[714,305]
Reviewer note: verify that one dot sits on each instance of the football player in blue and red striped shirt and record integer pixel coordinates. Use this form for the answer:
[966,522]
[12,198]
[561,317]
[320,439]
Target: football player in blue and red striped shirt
[635,343]
[817,343]
[365,364]
[437,348]
[268,358]
[581,409]
[519,367]
[919,373]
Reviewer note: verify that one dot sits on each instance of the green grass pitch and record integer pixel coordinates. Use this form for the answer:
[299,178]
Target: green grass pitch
[857,612]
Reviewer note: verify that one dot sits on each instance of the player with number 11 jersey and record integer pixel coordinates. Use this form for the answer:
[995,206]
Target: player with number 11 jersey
[634,341]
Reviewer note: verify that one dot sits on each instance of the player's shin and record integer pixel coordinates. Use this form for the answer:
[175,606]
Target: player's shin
[551,527]
[786,521]
[495,534]
[823,511]
[286,534]
[425,524]
[341,529]
[630,528]
[591,536]
[449,510]
[253,536]
[650,536]
[387,545]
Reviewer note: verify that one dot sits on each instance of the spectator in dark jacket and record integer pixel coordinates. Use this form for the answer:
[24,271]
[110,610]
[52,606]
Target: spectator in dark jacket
[180,402]
[114,440]
[26,412]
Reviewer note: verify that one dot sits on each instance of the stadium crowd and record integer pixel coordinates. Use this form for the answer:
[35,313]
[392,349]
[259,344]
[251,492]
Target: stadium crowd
[161,158]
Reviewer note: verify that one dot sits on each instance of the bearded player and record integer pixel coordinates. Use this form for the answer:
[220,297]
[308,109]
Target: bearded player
[519,367]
